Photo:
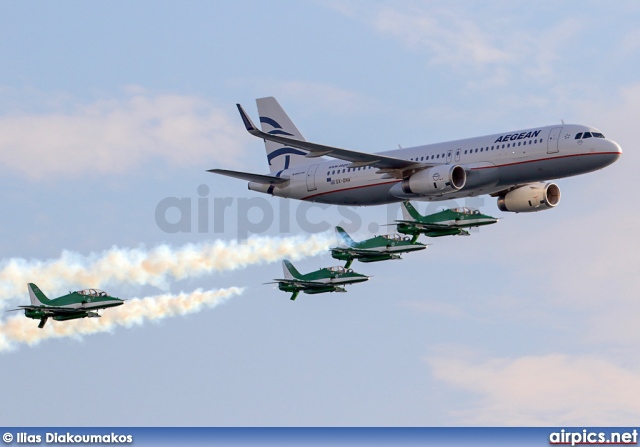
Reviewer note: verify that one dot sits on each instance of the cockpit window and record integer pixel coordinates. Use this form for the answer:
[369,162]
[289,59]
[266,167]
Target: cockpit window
[597,135]
[393,237]
[465,210]
[92,292]
[586,135]
[578,135]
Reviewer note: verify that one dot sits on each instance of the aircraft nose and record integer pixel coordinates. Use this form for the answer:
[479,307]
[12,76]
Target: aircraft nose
[615,147]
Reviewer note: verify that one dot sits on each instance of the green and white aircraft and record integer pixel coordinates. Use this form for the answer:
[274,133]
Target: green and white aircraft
[80,304]
[329,279]
[450,222]
[379,248]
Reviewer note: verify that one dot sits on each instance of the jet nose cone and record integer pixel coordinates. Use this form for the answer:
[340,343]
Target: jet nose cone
[613,151]
[609,147]
[616,148]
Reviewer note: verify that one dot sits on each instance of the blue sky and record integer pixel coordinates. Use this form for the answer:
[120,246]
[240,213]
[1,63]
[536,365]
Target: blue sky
[107,109]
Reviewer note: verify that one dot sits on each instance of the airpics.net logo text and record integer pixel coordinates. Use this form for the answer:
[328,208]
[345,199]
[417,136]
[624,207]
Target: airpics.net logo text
[207,214]
[592,437]
[66,438]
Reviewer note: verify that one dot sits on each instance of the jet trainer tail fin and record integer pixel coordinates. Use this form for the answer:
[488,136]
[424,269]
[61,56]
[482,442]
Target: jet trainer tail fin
[274,120]
[409,212]
[289,270]
[36,296]
[344,236]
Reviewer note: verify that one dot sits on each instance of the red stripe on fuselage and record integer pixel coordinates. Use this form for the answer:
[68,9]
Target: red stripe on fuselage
[348,189]
[546,159]
[472,169]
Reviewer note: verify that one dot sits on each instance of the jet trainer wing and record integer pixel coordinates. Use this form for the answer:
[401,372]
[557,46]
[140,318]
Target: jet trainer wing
[426,226]
[258,178]
[303,285]
[297,282]
[50,309]
[358,251]
[357,159]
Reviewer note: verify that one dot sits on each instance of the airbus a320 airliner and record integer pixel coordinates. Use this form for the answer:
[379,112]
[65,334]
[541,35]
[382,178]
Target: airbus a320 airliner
[514,166]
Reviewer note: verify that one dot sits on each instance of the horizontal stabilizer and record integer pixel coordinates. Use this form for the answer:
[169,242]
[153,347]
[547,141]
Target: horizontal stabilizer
[258,178]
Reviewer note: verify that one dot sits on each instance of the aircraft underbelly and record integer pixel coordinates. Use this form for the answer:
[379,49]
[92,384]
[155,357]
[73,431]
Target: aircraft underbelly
[368,195]
[482,177]
[548,169]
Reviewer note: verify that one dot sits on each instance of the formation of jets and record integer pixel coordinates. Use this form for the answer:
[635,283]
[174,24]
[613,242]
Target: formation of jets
[514,167]
[385,247]
[74,305]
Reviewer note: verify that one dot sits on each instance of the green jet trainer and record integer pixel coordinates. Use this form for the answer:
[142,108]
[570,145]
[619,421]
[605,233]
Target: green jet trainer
[80,304]
[329,279]
[450,222]
[379,248]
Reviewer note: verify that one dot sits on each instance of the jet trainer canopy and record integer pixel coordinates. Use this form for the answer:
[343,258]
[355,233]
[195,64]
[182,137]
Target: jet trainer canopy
[395,237]
[92,292]
[465,210]
[339,269]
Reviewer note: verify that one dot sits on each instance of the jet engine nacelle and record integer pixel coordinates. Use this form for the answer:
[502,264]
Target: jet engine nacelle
[530,198]
[437,180]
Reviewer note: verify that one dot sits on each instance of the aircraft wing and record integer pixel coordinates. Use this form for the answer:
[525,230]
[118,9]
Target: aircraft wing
[357,159]
[258,178]
[357,251]
[426,226]
[301,283]
[50,309]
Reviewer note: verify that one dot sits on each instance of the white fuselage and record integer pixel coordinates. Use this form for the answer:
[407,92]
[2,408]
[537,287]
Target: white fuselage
[492,163]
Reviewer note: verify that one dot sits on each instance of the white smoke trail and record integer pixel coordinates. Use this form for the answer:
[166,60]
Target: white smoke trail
[18,330]
[154,267]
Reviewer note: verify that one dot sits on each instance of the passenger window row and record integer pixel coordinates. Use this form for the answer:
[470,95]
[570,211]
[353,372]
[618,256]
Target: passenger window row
[471,151]
[503,146]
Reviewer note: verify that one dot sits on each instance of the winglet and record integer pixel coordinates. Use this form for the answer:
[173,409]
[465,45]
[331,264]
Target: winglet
[251,128]
[344,236]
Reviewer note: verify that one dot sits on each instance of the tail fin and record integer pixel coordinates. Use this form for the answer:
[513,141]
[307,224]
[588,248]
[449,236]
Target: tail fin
[36,296]
[344,236]
[409,212]
[275,121]
[289,270]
